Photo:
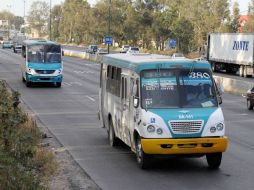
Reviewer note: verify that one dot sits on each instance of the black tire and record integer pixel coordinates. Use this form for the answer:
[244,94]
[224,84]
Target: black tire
[113,140]
[143,159]
[214,160]
[58,84]
[249,106]
[28,84]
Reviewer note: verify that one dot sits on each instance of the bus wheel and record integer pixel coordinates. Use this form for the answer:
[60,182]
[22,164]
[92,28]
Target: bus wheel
[249,106]
[113,141]
[28,84]
[214,160]
[58,84]
[143,159]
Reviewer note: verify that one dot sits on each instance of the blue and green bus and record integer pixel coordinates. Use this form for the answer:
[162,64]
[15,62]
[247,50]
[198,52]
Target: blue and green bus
[158,105]
[42,62]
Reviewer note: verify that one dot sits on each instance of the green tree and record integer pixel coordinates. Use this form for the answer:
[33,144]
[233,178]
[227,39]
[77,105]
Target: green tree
[56,16]
[38,17]
[235,18]
[249,26]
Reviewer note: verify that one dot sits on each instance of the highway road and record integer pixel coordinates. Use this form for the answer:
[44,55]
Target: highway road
[70,113]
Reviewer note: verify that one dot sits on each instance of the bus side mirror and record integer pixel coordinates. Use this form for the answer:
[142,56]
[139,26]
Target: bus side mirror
[219,99]
[135,102]
[62,53]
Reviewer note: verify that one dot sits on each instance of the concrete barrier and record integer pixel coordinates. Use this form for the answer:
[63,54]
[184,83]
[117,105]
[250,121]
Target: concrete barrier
[233,86]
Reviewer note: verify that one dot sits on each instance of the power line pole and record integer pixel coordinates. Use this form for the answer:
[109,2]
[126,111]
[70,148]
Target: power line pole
[109,20]
[50,20]
[24,17]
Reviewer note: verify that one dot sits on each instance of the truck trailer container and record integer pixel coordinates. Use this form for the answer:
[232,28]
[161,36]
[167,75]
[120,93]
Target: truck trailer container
[232,52]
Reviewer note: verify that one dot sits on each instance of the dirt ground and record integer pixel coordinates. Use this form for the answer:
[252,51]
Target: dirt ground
[69,175]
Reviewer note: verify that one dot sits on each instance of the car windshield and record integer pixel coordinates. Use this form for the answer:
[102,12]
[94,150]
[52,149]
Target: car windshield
[135,49]
[177,88]
[49,53]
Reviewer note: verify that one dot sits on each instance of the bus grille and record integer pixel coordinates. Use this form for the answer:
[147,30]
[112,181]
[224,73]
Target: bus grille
[186,127]
[45,71]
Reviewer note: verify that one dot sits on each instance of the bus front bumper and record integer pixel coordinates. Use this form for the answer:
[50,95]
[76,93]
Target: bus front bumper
[184,146]
[32,78]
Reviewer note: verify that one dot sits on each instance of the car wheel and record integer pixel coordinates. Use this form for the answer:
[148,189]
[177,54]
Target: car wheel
[214,160]
[113,141]
[143,159]
[249,106]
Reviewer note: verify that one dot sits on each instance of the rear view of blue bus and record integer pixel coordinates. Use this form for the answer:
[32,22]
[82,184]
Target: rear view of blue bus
[43,62]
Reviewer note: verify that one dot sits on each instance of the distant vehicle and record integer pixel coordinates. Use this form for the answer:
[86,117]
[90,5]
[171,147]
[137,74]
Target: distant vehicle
[124,48]
[7,44]
[42,63]
[102,51]
[92,49]
[133,50]
[200,59]
[232,52]
[250,99]
[178,56]
[18,39]
[17,48]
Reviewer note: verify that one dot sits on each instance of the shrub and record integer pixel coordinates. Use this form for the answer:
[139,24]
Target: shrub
[23,163]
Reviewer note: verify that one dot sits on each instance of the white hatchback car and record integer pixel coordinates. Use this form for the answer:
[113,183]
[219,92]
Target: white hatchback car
[133,50]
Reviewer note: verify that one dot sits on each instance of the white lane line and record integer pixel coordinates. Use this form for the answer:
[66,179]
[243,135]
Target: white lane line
[92,99]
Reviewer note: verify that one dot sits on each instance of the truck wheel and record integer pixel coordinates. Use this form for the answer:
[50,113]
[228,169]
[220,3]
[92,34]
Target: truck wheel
[249,106]
[113,140]
[241,71]
[143,159]
[245,72]
[214,160]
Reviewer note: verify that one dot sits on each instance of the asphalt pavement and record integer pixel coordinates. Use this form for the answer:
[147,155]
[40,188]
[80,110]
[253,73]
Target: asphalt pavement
[70,113]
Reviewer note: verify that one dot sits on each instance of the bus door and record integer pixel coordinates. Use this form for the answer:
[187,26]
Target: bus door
[125,104]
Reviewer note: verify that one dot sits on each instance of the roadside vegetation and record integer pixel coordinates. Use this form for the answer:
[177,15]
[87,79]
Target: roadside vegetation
[24,164]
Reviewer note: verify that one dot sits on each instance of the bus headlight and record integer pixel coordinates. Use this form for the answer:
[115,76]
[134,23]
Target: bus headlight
[60,71]
[213,129]
[29,71]
[150,128]
[159,131]
[219,126]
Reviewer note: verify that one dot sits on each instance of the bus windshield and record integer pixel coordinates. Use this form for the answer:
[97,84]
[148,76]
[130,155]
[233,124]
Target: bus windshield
[41,53]
[177,88]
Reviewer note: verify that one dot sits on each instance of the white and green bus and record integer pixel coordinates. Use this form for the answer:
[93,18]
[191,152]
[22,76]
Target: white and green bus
[162,106]
[42,62]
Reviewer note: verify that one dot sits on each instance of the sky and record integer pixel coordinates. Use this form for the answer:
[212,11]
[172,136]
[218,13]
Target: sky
[17,6]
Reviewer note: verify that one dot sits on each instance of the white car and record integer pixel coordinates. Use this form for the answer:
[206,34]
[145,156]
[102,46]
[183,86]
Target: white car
[124,48]
[178,56]
[133,50]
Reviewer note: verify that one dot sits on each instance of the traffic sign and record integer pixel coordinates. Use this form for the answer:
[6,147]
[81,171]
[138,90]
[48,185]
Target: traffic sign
[172,43]
[108,40]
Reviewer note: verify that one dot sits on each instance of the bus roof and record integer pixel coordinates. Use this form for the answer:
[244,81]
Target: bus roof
[141,61]
[38,42]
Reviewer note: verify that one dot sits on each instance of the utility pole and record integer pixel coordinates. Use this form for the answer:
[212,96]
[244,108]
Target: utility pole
[50,33]
[24,17]
[109,20]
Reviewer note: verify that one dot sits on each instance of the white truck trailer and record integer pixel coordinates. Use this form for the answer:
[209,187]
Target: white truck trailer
[233,52]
